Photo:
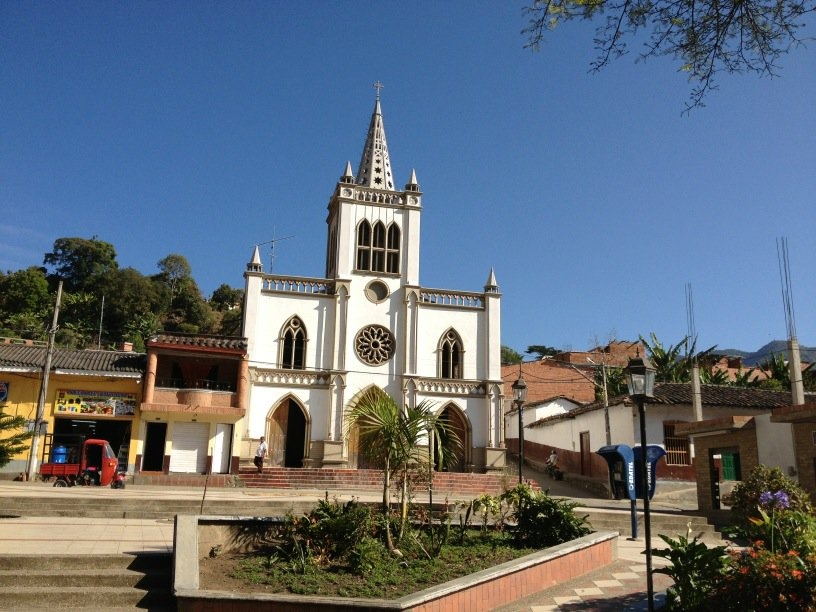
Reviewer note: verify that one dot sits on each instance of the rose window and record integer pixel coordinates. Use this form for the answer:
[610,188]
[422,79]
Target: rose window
[374,344]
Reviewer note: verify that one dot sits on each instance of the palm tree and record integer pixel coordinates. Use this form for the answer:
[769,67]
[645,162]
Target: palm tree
[673,362]
[390,436]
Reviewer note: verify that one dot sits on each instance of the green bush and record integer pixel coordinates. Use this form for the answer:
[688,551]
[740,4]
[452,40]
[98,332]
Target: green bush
[760,580]
[695,569]
[744,499]
[543,521]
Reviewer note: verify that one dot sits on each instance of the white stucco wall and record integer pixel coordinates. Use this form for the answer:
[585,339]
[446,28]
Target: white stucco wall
[775,444]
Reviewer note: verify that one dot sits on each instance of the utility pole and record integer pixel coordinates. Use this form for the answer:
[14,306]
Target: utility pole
[31,469]
[607,426]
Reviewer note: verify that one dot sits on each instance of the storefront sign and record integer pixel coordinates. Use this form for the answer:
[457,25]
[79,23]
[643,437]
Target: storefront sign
[94,403]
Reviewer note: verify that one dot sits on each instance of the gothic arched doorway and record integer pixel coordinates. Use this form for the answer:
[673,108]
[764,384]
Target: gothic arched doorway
[458,459]
[287,435]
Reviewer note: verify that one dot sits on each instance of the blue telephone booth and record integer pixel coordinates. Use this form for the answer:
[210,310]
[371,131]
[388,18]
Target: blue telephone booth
[653,455]
[621,461]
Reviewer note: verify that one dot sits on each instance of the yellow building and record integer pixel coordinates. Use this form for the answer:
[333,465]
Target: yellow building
[90,393]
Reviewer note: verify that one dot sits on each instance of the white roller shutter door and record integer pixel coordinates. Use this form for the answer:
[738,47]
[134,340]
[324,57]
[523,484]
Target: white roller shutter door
[189,454]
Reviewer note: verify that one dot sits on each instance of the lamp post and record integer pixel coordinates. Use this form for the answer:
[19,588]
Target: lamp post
[519,397]
[640,376]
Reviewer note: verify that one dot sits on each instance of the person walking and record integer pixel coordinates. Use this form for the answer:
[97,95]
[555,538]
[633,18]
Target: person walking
[260,455]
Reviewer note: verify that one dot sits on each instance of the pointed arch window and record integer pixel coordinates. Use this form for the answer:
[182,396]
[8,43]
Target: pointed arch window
[378,247]
[392,249]
[293,345]
[450,355]
[364,246]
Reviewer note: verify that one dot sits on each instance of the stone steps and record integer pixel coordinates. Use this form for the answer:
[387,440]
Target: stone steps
[148,509]
[672,525]
[34,582]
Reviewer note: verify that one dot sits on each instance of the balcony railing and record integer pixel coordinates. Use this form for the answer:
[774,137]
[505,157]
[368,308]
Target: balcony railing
[203,383]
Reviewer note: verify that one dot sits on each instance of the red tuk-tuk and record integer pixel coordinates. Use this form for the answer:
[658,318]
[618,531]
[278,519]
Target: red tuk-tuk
[84,462]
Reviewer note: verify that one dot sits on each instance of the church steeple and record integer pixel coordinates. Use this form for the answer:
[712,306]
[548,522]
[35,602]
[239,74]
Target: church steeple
[375,166]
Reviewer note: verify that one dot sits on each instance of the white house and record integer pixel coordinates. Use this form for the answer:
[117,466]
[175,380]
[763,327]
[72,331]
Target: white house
[579,433]
[316,344]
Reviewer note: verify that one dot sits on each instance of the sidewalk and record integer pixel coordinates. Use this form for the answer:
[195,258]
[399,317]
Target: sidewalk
[620,586]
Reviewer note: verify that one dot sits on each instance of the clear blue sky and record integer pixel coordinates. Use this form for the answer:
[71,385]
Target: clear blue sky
[203,128]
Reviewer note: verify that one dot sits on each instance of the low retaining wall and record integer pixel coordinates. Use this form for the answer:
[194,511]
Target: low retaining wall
[485,590]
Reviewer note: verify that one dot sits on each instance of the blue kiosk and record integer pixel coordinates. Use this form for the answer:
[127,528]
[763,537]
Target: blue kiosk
[625,469]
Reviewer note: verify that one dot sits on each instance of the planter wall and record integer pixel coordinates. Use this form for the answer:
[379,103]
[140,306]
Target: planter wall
[482,591]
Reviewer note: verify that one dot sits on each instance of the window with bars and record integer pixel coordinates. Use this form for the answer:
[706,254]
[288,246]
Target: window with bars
[293,345]
[378,247]
[677,447]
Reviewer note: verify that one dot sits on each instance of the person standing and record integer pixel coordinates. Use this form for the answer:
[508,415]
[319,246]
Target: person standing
[260,455]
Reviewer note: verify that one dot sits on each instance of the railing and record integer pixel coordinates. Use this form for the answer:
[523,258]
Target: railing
[295,284]
[458,299]
[203,383]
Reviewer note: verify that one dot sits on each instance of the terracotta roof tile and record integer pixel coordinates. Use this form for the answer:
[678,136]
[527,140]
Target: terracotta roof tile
[670,394]
[199,341]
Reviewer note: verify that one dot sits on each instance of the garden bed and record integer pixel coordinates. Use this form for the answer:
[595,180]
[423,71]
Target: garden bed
[196,536]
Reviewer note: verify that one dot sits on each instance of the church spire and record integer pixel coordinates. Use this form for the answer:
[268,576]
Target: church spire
[375,166]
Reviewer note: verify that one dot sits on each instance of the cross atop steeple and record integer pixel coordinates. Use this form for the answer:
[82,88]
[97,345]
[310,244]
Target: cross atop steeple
[378,86]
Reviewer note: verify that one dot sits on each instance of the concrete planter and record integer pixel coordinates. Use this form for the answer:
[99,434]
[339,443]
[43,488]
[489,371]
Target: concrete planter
[485,590]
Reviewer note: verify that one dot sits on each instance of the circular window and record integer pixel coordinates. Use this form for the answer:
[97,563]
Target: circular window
[374,344]
[376,291]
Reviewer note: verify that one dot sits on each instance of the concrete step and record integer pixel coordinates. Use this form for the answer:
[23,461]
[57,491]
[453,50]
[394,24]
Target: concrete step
[148,509]
[666,524]
[88,598]
[34,582]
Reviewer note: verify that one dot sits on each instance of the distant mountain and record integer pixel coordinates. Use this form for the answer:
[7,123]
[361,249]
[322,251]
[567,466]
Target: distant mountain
[775,347]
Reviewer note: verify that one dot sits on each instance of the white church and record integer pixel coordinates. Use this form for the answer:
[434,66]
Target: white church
[315,345]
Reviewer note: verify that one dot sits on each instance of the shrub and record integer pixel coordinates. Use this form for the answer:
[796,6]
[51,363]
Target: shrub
[695,569]
[745,498]
[764,581]
[543,521]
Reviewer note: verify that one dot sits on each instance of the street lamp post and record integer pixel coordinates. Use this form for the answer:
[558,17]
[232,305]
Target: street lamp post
[519,397]
[640,376]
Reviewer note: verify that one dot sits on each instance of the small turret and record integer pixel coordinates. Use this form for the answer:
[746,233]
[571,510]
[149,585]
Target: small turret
[255,265]
[491,286]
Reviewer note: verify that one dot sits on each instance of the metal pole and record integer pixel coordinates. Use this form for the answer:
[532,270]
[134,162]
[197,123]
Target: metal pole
[646,514]
[521,439]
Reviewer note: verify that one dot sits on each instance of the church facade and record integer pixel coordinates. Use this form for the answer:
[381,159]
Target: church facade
[315,345]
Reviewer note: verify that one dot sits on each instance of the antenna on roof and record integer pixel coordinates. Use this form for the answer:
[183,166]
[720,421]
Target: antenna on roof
[271,244]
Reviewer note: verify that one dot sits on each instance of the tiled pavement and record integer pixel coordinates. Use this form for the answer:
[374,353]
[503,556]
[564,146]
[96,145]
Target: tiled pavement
[618,587]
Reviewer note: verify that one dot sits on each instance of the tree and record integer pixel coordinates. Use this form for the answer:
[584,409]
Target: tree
[12,440]
[615,382]
[174,270]
[508,355]
[391,437]
[541,351]
[707,36]
[133,303]
[226,298]
[80,262]
[25,291]
[778,373]
[673,362]
[25,304]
